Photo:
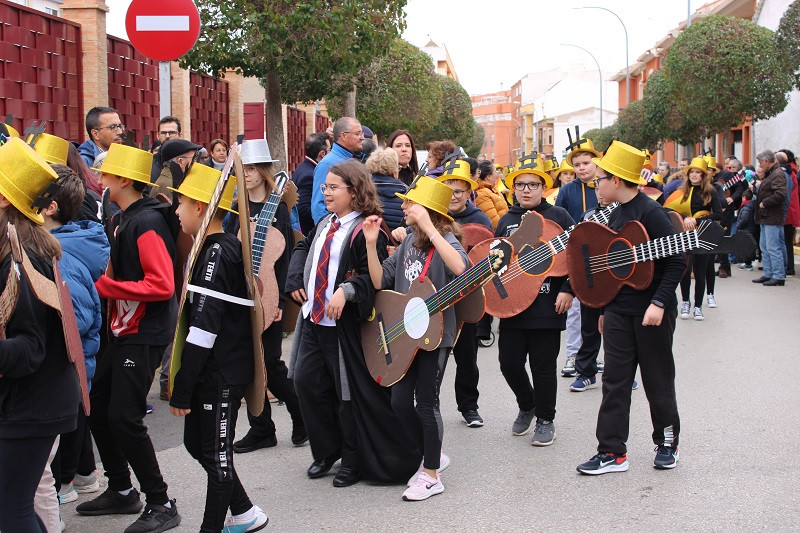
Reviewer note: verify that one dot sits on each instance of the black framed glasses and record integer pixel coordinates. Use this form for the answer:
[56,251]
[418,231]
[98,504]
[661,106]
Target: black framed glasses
[532,186]
[459,193]
[598,179]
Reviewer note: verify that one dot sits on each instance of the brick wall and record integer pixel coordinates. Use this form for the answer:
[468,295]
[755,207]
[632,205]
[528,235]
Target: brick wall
[209,109]
[295,137]
[133,88]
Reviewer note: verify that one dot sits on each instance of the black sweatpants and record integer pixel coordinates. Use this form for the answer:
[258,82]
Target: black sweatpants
[788,239]
[75,452]
[711,275]
[465,353]
[208,435]
[697,265]
[119,402]
[329,421]
[627,344]
[586,358]
[22,463]
[540,348]
[279,384]
[423,421]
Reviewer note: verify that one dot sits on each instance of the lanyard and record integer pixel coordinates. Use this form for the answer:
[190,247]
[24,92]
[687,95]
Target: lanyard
[427,264]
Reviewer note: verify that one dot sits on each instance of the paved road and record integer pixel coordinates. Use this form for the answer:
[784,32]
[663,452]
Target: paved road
[737,395]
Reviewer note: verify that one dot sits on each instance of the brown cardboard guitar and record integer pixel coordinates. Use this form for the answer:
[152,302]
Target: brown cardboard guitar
[473,306]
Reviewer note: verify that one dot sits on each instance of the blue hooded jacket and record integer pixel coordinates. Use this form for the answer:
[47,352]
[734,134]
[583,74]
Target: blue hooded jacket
[84,258]
[387,186]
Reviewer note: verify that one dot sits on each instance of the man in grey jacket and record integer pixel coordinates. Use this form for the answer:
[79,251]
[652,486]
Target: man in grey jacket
[770,215]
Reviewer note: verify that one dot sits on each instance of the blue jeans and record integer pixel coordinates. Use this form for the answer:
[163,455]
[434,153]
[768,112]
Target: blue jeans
[773,251]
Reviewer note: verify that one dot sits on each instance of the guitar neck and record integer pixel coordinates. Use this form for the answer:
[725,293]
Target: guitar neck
[730,183]
[560,241]
[471,279]
[666,246]
[262,225]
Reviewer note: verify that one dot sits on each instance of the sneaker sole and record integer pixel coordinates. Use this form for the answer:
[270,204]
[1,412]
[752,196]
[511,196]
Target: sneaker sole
[581,389]
[606,469]
[666,467]
[569,374]
[541,444]
[68,497]
[516,434]
[432,492]
[86,489]
[474,424]
[131,509]
[699,318]
[175,521]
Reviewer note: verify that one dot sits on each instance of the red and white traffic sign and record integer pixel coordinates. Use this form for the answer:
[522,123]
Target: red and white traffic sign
[163,30]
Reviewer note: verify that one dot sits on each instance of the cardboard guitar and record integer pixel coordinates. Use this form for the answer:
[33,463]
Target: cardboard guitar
[602,261]
[274,244]
[536,261]
[54,294]
[402,324]
[472,307]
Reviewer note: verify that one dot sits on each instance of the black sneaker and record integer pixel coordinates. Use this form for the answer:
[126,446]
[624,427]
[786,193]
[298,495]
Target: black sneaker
[251,443]
[472,418]
[603,463]
[111,502]
[666,457]
[156,518]
[299,435]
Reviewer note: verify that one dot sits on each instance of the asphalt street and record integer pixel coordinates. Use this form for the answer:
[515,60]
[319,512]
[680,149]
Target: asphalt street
[737,397]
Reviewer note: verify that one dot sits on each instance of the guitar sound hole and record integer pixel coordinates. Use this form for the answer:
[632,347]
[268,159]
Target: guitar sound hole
[416,318]
[537,260]
[620,252]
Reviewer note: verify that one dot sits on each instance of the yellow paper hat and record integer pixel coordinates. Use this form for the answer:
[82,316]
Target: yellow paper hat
[11,131]
[549,164]
[698,163]
[565,167]
[528,164]
[24,177]
[460,171]
[430,193]
[711,162]
[128,162]
[584,145]
[53,149]
[199,185]
[624,161]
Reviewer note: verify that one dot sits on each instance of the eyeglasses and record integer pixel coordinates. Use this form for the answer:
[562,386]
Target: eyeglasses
[357,133]
[597,180]
[171,133]
[113,127]
[458,193]
[532,186]
[332,188]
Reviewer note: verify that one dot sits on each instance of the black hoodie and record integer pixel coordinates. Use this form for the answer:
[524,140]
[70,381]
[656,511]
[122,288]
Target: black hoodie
[542,312]
[472,215]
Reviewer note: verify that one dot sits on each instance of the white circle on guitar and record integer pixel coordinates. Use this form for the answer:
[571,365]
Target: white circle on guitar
[415,318]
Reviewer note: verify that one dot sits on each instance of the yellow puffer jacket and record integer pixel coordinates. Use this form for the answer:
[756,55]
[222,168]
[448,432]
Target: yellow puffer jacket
[490,202]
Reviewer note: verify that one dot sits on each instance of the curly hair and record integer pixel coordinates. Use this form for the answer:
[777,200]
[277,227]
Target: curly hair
[439,149]
[443,225]
[383,161]
[357,178]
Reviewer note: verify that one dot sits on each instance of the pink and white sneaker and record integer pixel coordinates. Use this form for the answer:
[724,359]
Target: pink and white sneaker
[423,488]
[444,462]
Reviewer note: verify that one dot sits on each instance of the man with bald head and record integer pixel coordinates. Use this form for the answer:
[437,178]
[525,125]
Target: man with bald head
[347,142]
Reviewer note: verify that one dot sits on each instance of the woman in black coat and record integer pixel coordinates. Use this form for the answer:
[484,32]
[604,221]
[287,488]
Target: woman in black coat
[382,164]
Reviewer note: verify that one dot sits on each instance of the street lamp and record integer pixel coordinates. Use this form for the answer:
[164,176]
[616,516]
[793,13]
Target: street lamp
[627,71]
[599,71]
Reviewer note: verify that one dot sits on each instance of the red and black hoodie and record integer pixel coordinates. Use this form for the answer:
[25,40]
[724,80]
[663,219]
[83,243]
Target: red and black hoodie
[142,293]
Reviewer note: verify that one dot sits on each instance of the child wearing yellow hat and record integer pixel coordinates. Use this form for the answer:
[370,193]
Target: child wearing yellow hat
[217,358]
[637,325]
[141,292]
[431,250]
[38,388]
[534,334]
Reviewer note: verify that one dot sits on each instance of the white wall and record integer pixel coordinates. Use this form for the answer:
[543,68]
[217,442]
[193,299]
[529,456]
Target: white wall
[782,130]
[586,120]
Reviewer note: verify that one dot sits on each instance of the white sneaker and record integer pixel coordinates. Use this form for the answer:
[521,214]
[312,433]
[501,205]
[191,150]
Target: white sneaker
[258,522]
[698,314]
[67,494]
[712,303]
[86,484]
[423,488]
[444,462]
[686,307]
[569,367]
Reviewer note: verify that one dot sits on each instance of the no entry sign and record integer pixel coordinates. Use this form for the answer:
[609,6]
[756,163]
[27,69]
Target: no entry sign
[163,30]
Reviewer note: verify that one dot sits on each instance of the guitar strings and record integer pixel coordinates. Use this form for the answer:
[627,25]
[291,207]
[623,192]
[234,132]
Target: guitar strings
[624,262]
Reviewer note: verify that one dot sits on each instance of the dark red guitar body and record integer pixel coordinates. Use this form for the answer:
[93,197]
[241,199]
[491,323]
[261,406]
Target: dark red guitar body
[472,307]
[593,240]
[509,297]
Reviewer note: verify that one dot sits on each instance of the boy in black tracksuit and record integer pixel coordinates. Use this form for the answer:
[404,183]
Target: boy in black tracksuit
[637,328]
[211,382]
[536,331]
[141,294]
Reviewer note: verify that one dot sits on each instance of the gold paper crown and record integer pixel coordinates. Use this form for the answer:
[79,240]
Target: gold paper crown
[24,177]
[430,193]
[128,162]
[624,161]
[459,171]
[53,149]
[200,182]
[528,164]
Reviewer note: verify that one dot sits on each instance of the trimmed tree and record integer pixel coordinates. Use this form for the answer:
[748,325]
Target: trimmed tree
[454,119]
[787,41]
[633,128]
[601,138]
[295,48]
[662,114]
[398,90]
[473,147]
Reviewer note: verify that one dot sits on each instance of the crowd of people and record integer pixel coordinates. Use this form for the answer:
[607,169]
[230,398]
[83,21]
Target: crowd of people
[118,223]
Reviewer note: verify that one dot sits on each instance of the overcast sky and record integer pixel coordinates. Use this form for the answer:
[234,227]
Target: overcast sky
[493,43]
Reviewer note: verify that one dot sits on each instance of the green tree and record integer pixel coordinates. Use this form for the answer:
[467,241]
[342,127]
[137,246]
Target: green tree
[601,138]
[664,116]
[633,128]
[723,70]
[787,41]
[398,90]
[473,147]
[454,120]
[295,47]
